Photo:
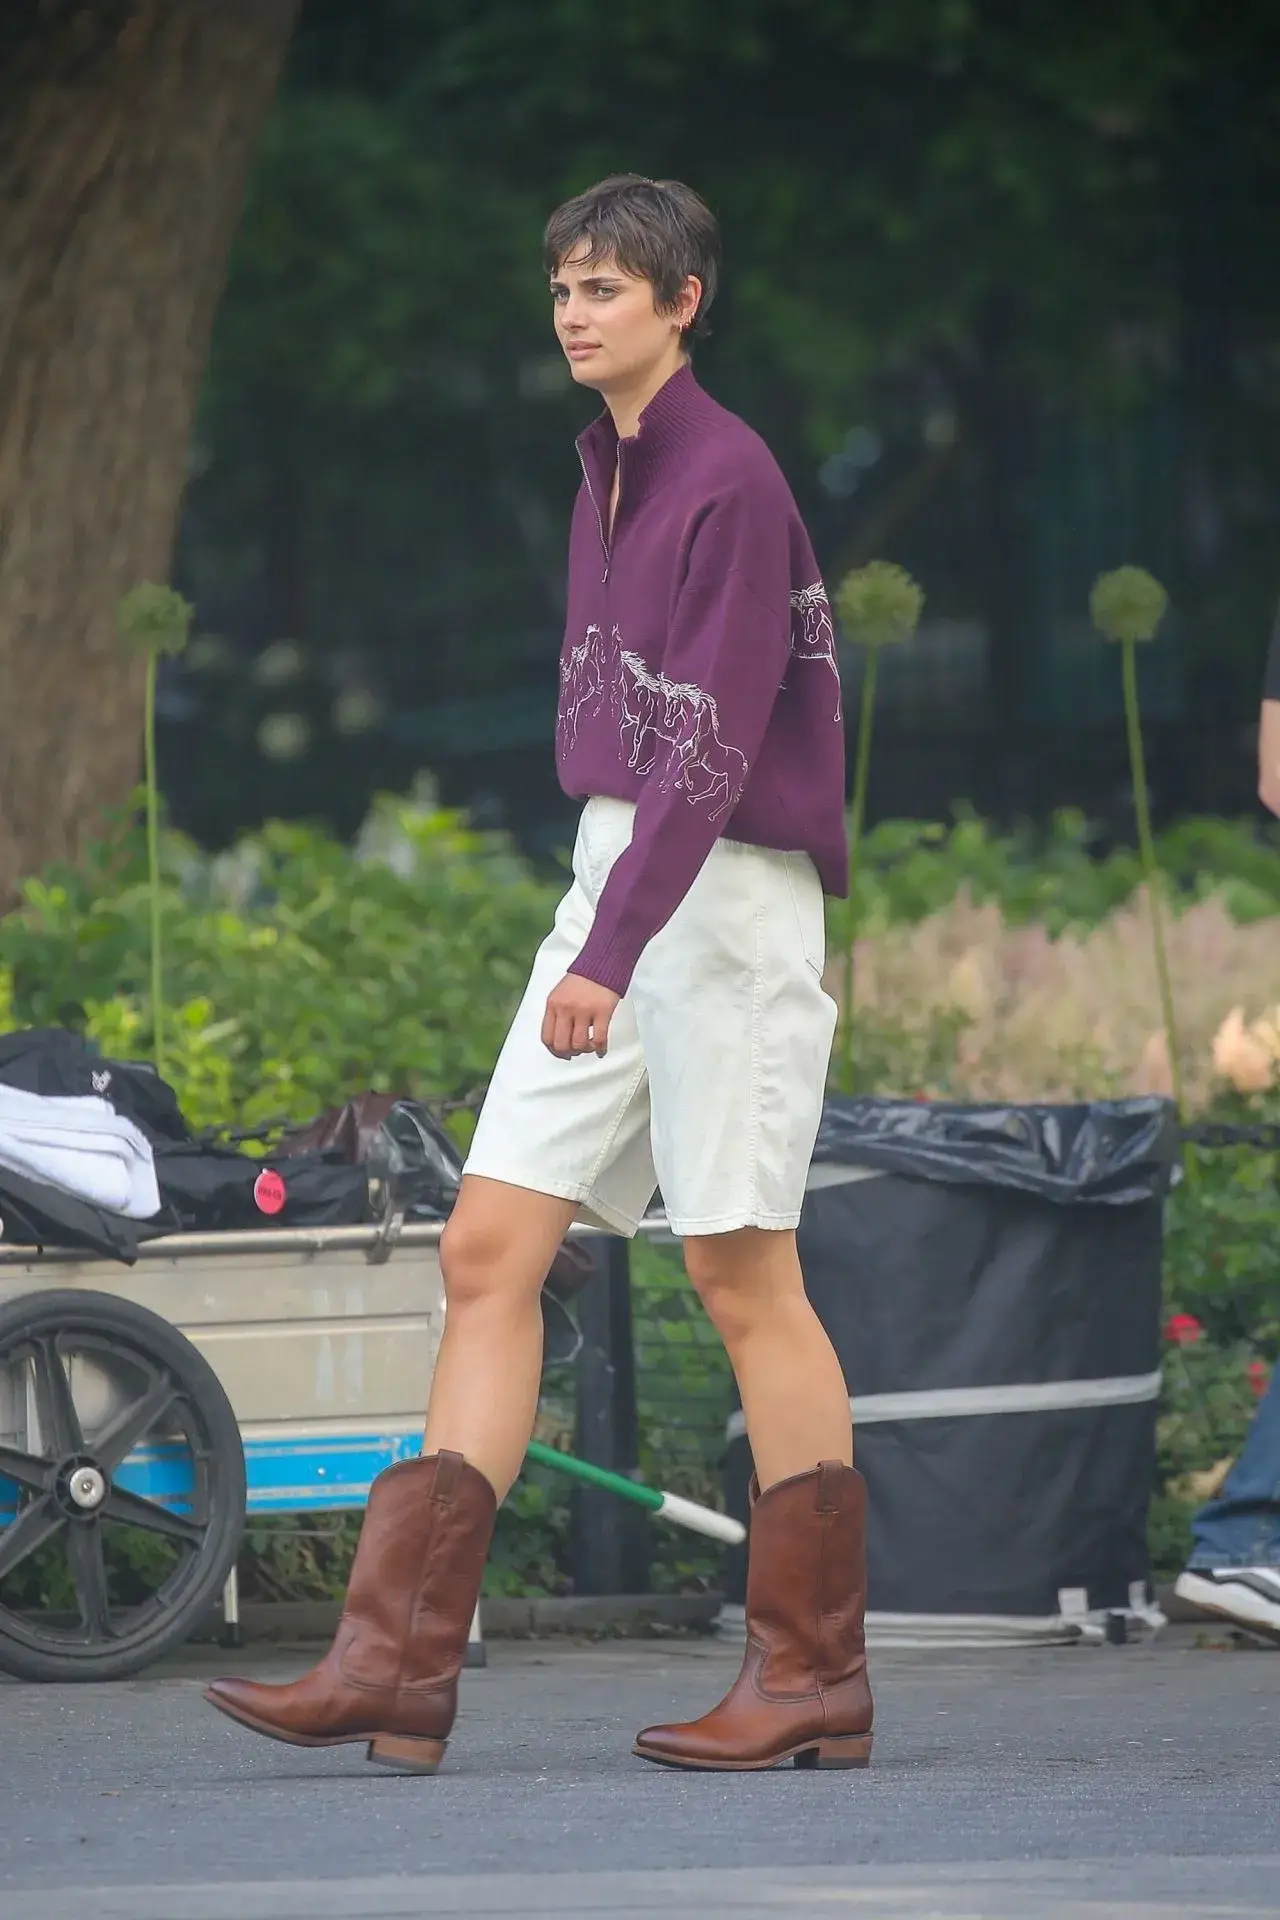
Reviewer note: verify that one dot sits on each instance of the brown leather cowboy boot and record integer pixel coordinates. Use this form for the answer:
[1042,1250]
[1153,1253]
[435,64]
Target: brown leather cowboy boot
[802,1694]
[391,1675]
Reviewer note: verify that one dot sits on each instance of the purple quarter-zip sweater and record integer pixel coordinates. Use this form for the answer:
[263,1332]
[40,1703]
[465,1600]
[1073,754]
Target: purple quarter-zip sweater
[698,676]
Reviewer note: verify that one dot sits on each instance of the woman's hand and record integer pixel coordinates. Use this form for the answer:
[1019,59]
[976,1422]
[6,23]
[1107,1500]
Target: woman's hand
[577,1018]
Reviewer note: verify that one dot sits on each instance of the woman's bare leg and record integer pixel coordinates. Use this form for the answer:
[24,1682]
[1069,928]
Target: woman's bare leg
[794,1398]
[495,1253]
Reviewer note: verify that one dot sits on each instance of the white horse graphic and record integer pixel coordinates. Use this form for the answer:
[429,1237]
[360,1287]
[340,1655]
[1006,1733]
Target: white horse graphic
[584,681]
[812,634]
[682,718]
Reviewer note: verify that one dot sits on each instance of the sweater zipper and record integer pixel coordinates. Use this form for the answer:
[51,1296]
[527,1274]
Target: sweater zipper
[591,495]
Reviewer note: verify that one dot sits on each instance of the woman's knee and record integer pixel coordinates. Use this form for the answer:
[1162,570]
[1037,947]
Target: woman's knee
[498,1244]
[729,1301]
[477,1264]
[742,1278]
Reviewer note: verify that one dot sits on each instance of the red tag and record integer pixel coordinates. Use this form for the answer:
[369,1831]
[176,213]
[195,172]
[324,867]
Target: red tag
[268,1191]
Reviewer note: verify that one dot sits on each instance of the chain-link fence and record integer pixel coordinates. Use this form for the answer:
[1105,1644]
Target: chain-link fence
[683,1382]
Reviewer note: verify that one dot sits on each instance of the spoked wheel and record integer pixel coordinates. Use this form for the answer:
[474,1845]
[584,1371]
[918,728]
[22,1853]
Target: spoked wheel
[121,1486]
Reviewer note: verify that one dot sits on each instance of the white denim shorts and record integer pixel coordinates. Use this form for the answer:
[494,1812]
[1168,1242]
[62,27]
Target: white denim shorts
[713,1082]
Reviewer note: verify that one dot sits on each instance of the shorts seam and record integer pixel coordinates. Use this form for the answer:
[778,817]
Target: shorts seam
[756,1018]
[818,971]
[624,1107]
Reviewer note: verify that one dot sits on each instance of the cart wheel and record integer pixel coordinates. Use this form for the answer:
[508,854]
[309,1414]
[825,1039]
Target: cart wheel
[121,1486]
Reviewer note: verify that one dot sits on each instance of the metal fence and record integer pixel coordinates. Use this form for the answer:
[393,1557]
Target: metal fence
[649,1395]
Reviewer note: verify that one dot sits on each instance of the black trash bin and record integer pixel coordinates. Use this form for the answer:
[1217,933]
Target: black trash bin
[991,1280]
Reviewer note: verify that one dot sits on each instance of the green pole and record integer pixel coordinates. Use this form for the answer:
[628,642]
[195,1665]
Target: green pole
[594,1476]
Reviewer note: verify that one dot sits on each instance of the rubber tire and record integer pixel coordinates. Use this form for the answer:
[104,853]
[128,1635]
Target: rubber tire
[53,1311]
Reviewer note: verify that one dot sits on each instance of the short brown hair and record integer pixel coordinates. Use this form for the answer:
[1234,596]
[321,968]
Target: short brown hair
[660,230]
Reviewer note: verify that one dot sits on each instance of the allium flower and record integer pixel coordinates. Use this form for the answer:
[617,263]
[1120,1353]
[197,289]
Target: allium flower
[879,604]
[1127,604]
[153,619]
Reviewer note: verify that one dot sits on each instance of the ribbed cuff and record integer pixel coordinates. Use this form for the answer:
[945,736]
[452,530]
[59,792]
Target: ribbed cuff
[608,960]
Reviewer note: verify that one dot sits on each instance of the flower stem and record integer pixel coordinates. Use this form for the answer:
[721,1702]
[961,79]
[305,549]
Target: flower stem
[862,767]
[153,868]
[1146,844]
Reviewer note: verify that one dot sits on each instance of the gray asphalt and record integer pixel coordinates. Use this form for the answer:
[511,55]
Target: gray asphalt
[1063,1783]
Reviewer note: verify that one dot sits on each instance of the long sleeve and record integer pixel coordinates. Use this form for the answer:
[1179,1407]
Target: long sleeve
[693,727]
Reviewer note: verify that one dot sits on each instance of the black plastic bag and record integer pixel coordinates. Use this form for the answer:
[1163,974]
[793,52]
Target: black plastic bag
[1112,1152]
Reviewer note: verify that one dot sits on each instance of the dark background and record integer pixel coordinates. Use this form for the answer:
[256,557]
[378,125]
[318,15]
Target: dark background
[1002,292]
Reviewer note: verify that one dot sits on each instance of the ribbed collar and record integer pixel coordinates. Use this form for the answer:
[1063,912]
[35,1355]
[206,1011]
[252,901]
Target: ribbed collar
[678,415]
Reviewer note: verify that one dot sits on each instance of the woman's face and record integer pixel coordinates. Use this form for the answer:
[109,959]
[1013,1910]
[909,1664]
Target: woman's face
[606,322]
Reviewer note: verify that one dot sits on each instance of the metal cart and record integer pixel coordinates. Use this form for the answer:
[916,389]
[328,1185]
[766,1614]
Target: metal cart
[143,1410]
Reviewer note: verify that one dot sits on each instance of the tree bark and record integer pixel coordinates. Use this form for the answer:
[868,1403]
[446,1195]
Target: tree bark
[126,130]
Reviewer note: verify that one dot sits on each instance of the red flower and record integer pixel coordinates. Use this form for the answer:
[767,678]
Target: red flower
[1259,1376]
[1182,1330]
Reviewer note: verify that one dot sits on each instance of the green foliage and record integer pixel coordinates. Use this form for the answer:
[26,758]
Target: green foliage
[530,1551]
[1221,1238]
[298,972]
[1057,876]
[298,1556]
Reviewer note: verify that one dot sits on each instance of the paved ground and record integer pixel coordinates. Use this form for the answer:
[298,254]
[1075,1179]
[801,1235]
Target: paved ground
[1054,1785]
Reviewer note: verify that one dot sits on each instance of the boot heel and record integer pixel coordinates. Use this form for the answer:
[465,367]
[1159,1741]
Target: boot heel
[850,1750]
[415,1756]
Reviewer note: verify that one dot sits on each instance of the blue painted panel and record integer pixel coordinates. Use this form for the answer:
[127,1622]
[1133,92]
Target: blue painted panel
[305,1475]
[298,1475]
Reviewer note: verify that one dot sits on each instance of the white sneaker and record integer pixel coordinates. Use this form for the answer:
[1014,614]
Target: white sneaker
[1247,1596]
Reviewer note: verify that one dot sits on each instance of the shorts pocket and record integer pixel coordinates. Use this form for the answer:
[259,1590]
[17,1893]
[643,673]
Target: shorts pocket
[809,906]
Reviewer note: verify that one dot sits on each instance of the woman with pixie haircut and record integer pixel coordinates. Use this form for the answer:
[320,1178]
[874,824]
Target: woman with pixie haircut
[674,1034]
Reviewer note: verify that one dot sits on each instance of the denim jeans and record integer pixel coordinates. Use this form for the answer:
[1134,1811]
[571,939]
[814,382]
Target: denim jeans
[1241,1527]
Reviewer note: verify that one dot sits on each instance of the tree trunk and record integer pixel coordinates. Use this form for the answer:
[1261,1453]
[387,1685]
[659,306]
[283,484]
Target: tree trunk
[126,130]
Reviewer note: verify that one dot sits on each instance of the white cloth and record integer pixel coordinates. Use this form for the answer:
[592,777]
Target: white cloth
[713,1083]
[80,1145]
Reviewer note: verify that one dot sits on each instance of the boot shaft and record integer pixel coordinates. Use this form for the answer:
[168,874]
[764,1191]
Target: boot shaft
[417,1572]
[807,1579]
